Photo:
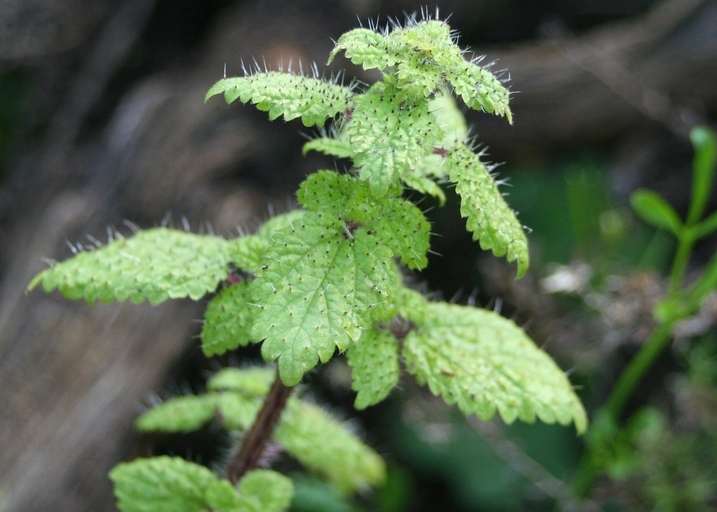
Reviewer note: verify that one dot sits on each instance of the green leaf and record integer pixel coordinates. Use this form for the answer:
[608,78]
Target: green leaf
[484,362]
[178,414]
[383,134]
[317,291]
[426,185]
[450,118]
[655,210]
[188,413]
[480,89]
[366,48]
[374,359]
[270,490]
[155,265]
[490,219]
[312,99]
[246,252]
[228,320]
[703,171]
[325,446]
[339,148]
[420,59]
[247,381]
[395,222]
[166,484]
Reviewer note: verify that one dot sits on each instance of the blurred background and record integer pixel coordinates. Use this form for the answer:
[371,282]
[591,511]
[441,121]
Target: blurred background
[103,120]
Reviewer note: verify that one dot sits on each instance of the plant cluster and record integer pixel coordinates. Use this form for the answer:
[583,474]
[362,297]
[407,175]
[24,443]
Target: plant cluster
[327,279]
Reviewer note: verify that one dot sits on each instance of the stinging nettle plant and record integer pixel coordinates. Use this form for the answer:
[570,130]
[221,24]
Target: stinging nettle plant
[326,279]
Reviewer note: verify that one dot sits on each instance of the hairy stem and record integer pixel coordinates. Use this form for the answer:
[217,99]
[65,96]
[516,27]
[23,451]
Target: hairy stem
[260,432]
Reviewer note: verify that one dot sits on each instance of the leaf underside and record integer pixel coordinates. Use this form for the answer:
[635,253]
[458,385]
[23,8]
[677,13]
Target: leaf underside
[317,290]
[483,362]
[154,265]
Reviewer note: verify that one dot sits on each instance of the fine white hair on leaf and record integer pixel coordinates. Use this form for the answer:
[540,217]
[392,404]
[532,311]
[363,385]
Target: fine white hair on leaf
[185,224]
[131,225]
[92,239]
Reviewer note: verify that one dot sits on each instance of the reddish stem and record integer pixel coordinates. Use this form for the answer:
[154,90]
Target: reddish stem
[260,433]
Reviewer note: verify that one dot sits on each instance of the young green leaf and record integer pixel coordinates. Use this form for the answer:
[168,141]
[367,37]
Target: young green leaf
[490,219]
[169,484]
[178,414]
[484,362]
[389,137]
[188,413]
[228,320]
[655,210]
[339,148]
[246,251]
[320,287]
[312,99]
[155,265]
[374,362]
[396,223]
[325,446]
[270,490]
[249,382]
[703,171]
[366,48]
[420,59]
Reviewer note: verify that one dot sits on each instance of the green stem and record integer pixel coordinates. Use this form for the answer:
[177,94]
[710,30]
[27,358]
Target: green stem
[258,435]
[682,257]
[621,393]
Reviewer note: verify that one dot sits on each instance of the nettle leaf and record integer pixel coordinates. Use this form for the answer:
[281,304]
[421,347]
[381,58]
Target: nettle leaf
[155,265]
[188,413]
[480,89]
[396,223]
[172,484]
[366,48]
[178,414]
[312,99]
[169,484]
[490,219]
[227,320]
[325,446]
[271,491]
[483,362]
[247,381]
[427,51]
[389,137]
[317,291]
[246,252]
[339,148]
[375,369]
[422,58]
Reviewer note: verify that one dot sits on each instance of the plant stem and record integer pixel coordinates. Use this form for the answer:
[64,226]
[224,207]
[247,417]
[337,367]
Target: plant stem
[260,432]
[636,369]
[621,393]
